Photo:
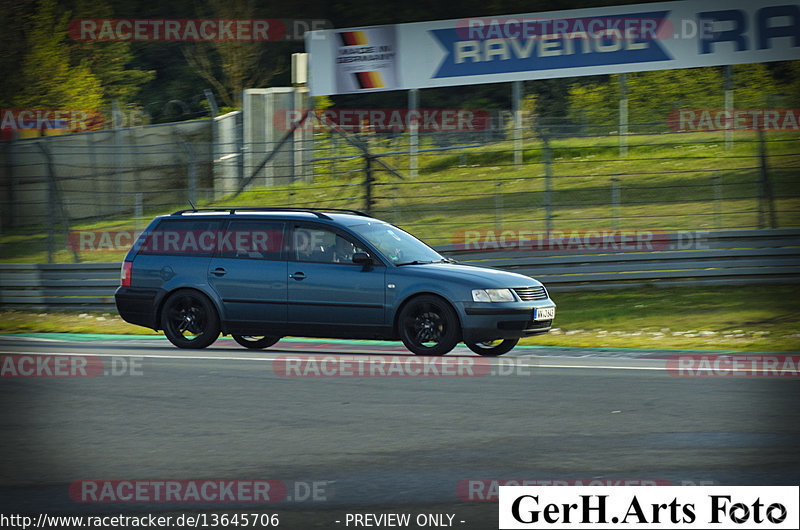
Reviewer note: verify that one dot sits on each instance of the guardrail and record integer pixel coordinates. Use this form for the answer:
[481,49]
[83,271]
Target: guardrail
[562,264]
[58,285]
[679,258]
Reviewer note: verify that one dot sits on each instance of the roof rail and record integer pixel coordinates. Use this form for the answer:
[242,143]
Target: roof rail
[316,211]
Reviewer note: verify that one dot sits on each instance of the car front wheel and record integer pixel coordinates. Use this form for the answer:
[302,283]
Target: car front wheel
[255,342]
[428,325]
[189,320]
[492,348]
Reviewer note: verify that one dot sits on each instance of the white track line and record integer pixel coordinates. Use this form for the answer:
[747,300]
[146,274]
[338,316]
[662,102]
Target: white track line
[364,357]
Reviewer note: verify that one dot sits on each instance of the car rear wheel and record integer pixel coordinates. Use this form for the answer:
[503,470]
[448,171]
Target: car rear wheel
[429,326]
[256,342]
[492,348]
[189,319]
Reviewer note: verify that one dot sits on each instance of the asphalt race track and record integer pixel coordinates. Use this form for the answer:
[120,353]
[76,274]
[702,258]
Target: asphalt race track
[366,428]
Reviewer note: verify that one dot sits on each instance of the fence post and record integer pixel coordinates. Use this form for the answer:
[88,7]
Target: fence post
[396,217]
[728,97]
[368,183]
[766,200]
[98,196]
[13,184]
[192,171]
[548,173]
[716,185]
[516,97]
[498,204]
[116,118]
[55,205]
[138,210]
[623,114]
[413,138]
[292,152]
[212,104]
[615,201]
[303,139]
[334,148]
[51,207]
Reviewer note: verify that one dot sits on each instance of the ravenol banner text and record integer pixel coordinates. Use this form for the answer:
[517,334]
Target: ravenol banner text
[579,42]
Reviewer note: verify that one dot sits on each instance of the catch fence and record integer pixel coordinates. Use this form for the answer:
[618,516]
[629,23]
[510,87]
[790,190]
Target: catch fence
[444,186]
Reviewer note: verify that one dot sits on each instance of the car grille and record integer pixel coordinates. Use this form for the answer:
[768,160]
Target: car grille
[526,294]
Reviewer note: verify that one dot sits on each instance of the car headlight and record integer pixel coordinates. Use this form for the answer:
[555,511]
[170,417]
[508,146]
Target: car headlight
[492,295]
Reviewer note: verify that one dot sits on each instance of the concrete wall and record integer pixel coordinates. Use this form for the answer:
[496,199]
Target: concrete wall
[228,155]
[121,171]
[265,125]
[102,173]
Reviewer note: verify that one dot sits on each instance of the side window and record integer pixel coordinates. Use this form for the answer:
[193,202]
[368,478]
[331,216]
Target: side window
[252,239]
[322,246]
[183,237]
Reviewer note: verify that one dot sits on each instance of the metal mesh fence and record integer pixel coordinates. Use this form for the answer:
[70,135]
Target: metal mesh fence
[440,185]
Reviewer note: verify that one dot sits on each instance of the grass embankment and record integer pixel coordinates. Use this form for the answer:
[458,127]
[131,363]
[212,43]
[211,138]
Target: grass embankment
[747,318]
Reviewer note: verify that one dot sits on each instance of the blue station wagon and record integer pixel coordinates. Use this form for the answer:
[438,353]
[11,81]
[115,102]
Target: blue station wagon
[262,274]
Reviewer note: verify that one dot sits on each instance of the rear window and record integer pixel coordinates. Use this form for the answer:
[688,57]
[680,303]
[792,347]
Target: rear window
[184,237]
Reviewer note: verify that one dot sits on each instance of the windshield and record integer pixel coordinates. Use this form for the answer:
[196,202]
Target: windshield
[400,247]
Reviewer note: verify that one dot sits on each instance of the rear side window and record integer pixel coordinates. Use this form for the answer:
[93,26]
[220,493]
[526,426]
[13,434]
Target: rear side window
[252,239]
[320,245]
[184,237]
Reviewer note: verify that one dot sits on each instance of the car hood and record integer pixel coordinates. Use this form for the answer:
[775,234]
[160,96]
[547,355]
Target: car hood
[478,277]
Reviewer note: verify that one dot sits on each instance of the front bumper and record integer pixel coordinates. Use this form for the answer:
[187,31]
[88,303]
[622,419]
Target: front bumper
[489,321]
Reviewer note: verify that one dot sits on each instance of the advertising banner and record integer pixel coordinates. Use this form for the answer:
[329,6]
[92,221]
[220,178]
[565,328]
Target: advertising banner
[602,40]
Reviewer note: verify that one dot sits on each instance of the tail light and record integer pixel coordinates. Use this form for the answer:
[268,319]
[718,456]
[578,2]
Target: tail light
[125,275]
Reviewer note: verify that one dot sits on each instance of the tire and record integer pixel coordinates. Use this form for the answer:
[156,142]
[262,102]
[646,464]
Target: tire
[189,319]
[256,342]
[492,348]
[428,325]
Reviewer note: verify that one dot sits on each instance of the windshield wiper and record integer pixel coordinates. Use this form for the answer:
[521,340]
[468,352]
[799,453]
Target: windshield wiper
[424,262]
[415,262]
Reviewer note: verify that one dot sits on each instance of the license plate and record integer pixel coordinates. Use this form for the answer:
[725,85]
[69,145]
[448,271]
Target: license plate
[544,313]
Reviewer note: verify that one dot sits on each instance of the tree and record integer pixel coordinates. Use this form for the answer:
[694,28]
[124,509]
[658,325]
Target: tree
[652,95]
[240,64]
[48,79]
[12,48]
[109,61]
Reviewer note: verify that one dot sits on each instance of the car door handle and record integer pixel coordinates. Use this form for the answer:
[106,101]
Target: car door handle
[298,276]
[219,271]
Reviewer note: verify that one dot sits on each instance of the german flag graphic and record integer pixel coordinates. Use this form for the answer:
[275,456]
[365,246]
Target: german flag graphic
[369,80]
[365,59]
[353,38]
[365,80]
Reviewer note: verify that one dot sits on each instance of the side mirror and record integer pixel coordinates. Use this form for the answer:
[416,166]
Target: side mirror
[362,258]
